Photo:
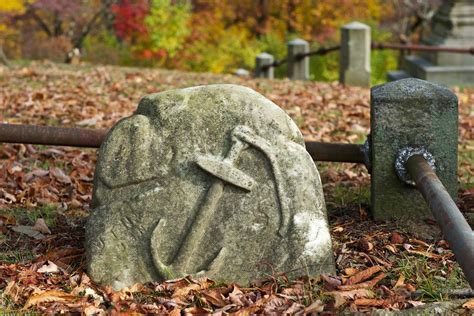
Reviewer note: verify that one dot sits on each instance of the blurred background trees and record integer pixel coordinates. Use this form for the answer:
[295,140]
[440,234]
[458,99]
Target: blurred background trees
[200,35]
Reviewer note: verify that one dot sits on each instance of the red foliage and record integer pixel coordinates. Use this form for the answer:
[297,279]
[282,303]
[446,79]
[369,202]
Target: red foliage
[129,19]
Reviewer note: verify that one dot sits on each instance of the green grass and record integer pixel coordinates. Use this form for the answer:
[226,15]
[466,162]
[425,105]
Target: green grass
[24,216]
[432,281]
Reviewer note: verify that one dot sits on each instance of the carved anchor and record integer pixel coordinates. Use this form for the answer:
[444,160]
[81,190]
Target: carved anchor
[225,173]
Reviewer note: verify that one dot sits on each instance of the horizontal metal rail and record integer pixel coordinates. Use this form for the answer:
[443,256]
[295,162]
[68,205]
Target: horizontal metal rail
[82,137]
[423,48]
[337,152]
[376,46]
[456,230]
[48,135]
[319,51]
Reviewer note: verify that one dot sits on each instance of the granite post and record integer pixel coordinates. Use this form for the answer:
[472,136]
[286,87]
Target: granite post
[355,55]
[261,61]
[410,113]
[298,68]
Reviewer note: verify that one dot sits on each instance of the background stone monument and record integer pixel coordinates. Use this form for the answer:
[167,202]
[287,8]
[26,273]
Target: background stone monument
[451,26]
[211,180]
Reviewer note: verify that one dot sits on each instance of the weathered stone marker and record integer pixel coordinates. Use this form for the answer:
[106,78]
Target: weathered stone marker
[298,69]
[211,180]
[261,61]
[421,115]
[355,55]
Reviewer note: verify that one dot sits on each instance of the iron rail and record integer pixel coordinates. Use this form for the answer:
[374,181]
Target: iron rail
[455,228]
[48,135]
[82,137]
[374,45]
[423,48]
[337,152]
[319,51]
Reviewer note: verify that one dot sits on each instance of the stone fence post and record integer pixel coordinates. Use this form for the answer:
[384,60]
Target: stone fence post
[262,60]
[410,115]
[298,69]
[355,55]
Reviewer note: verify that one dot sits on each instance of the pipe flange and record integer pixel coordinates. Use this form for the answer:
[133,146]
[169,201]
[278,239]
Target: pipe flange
[402,158]
[365,148]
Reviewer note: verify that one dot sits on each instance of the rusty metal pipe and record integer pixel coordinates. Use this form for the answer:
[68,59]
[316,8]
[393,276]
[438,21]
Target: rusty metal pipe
[337,152]
[455,228]
[82,137]
[423,48]
[48,135]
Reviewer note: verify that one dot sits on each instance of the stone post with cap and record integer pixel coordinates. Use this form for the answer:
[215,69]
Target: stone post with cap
[410,116]
[298,67]
[355,55]
[261,66]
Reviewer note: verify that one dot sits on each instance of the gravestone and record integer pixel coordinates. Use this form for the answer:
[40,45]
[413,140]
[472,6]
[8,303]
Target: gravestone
[451,26]
[212,180]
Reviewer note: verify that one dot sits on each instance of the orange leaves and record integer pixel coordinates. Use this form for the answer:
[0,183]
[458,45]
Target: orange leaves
[363,275]
[48,296]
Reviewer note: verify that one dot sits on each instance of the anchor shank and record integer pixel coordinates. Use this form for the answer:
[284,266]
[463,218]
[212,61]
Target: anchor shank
[196,233]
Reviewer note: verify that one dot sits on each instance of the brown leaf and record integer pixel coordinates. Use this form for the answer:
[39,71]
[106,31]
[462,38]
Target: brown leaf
[315,307]
[48,267]
[350,271]
[330,282]
[373,302]
[400,281]
[341,297]
[365,245]
[396,238]
[7,220]
[469,304]
[363,275]
[367,284]
[29,231]
[48,296]
[214,297]
[197,311]
[40,225]
[59,175]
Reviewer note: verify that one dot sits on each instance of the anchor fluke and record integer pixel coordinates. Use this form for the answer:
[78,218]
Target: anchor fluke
[225,171]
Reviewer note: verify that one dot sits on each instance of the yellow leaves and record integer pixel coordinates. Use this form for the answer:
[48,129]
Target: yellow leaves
[12,6]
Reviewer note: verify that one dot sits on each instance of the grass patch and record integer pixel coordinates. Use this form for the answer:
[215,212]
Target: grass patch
[432,279]
[48,212]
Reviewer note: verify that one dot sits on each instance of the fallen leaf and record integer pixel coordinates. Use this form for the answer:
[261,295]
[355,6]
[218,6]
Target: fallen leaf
[365,245]
[315,307]
[396,238]
[214,297]
[59,175]
[363,275]
[49,267]
[48,296]
[28,230]
[367,284]
[350,271]
[40,225]
[330,282]
[341,297]
[7,220]
[400,281]
[373,302]
[469,304]
[415,303]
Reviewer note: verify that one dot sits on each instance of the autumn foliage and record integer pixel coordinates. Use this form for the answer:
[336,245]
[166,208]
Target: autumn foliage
[197,35]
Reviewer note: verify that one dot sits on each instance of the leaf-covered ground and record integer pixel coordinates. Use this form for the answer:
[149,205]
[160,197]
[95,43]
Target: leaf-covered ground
[45,195]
